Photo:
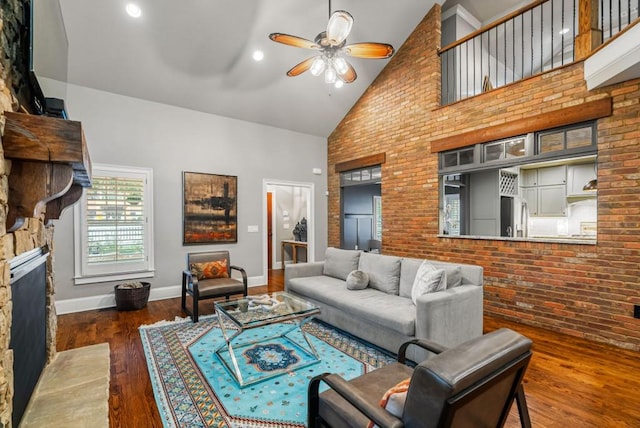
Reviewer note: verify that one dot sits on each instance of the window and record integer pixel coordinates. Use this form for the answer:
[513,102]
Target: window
[114,226]
[361,176]
[458,158]
[566,139]
[518,189]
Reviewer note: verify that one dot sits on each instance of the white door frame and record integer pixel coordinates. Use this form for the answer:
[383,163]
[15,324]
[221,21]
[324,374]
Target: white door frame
[311,224]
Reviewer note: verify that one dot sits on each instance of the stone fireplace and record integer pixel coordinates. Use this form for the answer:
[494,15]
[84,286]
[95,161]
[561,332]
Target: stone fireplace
[44,165]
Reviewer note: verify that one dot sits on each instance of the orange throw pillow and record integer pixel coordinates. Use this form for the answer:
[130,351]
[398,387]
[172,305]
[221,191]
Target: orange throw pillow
[210,270]
[393,400]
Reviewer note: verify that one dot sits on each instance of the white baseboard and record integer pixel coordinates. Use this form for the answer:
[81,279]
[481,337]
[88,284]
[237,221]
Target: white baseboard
[91,303]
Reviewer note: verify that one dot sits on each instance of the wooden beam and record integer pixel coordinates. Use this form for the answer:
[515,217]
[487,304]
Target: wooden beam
[363,162]
[567,116]
[47,139]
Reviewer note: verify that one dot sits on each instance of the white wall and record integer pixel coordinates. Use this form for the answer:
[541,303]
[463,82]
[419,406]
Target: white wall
[127,131]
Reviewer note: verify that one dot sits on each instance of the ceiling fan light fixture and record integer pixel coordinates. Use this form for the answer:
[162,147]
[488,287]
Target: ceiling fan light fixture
[339,83]
[331,46]
[340,65]
[339,27]
[318,66]
[330,75]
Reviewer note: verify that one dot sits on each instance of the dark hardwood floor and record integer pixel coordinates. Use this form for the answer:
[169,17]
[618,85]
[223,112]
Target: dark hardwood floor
[570,382]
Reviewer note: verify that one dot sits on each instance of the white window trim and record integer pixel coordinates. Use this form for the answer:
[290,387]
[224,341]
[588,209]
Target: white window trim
[377,200]
[84,275]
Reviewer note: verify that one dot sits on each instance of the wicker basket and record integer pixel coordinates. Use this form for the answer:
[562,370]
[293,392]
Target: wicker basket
[129,299]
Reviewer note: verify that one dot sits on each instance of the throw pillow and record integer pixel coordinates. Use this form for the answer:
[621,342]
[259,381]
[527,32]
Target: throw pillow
[393,400]
[454,277]
[210,270]
[357,280]
[428,280]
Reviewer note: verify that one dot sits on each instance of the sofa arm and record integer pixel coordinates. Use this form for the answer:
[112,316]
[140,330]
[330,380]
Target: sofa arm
[300,270]
[450,317]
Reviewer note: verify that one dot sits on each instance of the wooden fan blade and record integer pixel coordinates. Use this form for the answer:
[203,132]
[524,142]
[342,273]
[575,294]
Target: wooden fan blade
[369,50]
[295,41]
[350,75]
[301,67]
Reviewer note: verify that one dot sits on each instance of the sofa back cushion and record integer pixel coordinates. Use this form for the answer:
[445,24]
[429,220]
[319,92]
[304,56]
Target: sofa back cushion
[340,263]
[384,271]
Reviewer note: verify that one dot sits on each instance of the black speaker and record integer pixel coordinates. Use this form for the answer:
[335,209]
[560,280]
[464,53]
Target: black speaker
[54,107]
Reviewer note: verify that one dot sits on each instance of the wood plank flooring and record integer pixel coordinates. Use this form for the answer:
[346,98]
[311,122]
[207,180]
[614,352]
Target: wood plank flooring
[570,382]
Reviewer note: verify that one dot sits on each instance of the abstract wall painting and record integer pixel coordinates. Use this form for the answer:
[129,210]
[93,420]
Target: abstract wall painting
[210,208]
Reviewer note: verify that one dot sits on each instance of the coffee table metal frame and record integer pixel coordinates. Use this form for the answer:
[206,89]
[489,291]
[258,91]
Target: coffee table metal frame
[246,316]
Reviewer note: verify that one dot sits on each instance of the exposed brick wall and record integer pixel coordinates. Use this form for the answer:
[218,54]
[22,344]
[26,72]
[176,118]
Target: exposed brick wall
[582,290]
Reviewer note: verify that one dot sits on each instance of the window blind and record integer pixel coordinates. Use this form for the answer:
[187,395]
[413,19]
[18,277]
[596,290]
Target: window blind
[115,220]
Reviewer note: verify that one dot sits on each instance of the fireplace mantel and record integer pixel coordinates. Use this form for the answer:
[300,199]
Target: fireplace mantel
[50,166]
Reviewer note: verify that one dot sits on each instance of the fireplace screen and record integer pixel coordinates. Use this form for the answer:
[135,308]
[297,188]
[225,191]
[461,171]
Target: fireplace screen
[28,328]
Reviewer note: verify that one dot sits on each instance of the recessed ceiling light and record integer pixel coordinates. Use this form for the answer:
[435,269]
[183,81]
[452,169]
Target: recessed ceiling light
[258,55]
[134,10]
[564,31]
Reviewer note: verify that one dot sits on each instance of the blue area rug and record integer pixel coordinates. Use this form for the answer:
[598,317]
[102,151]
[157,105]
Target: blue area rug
[194,389]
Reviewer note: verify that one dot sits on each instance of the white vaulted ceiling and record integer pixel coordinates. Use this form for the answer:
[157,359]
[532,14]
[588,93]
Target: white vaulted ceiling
[197,54]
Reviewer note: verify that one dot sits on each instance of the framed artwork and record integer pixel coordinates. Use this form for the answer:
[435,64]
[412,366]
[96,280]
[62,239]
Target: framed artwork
[210,208]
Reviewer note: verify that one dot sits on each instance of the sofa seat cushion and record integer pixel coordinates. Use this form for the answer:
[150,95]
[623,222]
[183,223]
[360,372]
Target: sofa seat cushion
[388,310]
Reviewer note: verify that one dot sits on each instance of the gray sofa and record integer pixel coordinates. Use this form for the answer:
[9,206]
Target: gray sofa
[384,313]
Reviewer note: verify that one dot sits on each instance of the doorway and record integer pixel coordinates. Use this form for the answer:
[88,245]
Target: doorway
[285,205]
[361,209]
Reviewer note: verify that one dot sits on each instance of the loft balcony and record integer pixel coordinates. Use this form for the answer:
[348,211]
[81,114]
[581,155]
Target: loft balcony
[540,37]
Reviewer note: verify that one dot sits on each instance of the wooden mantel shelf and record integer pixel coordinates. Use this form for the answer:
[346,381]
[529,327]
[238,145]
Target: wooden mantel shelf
[50,165]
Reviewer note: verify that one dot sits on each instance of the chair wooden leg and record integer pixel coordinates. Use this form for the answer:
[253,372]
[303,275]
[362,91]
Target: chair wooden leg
[521,401]
[194,316]
[183,302]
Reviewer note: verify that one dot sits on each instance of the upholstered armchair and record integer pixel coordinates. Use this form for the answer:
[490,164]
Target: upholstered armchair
[471,385]
[208,275]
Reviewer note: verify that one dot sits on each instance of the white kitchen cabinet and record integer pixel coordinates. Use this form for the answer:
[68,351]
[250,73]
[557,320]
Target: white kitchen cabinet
[552,201]
[545,191]
[529,177]
[530,194]
[577,177]
[552,175]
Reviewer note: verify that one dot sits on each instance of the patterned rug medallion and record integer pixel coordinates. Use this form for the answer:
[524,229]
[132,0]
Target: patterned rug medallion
[194,389]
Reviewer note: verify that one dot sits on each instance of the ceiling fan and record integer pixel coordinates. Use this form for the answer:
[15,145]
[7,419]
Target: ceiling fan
[331,45]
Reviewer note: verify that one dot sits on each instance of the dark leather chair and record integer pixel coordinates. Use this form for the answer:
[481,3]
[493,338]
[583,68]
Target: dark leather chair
[471,385]
[201,289]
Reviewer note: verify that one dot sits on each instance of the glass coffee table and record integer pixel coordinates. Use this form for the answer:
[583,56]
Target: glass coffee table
[279,347]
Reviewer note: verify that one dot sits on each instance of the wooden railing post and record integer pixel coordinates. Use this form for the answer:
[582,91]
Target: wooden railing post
[589,36]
